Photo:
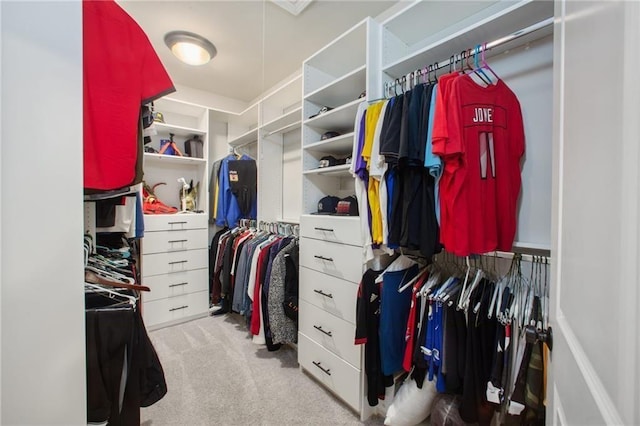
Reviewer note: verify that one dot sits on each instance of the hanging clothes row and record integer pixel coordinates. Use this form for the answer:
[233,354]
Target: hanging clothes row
[474,333]
[124,372]
[233,190]
[439,164]
[254,272]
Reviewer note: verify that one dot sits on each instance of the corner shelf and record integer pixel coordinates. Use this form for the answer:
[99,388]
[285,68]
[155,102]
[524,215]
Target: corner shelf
[286,122]
[246,138]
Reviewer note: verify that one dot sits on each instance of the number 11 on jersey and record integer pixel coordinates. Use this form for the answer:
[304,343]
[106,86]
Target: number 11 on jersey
[487,154]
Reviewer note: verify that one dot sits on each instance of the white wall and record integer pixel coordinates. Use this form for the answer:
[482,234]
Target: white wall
[42,296]
[596,202]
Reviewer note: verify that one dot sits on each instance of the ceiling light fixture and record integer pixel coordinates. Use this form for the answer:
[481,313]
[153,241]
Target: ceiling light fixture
[190,48]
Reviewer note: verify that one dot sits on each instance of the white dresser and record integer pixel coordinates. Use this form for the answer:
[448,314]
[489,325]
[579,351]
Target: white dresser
[330,270]
[175,266]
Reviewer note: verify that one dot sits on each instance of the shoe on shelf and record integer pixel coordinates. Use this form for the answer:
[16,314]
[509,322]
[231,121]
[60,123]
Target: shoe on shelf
[150,202]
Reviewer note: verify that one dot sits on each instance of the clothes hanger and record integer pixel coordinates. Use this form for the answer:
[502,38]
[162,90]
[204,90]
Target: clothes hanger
[464,286]
[110,275]
[478,68]
[466,297]
[485,64]
[420,274]
[132,300]
[401,263]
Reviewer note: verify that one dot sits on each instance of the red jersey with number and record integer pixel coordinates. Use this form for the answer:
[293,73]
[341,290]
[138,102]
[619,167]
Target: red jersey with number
[121,71]
[484,144]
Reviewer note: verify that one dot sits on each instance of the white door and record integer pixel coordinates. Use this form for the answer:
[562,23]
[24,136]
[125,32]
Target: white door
[595,360]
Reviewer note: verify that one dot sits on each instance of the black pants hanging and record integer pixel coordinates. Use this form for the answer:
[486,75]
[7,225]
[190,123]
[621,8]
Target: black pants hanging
[113,335]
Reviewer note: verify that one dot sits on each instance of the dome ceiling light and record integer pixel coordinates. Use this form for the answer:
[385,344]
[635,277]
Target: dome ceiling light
[190,48]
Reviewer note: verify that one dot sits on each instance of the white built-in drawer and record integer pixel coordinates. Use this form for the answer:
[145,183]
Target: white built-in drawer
[337,375]
[174,308]
[169,263]
[338,229]
[176,284]
[329,293]
[331,332]
[174,222]
[339,260]
[165,241]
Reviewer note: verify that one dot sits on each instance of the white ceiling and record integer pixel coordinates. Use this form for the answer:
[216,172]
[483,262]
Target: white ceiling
[242,30]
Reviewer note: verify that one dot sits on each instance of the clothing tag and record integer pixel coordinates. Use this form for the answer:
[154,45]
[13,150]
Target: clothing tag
[493,393]
[515,408]
[233,176]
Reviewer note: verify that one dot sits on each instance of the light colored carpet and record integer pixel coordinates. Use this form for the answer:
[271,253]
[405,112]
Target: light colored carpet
[217,376]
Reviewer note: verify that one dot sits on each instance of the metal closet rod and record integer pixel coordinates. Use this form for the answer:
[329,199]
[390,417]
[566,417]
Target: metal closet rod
[458,57]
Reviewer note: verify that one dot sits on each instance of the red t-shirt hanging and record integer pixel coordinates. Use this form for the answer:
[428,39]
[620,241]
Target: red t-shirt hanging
[121,71]
[484,146]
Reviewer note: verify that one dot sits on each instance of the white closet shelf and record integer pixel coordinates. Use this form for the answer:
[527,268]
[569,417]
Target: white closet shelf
[246,138]
[172,159]
[343,89]
[411,24]
[334,217]
[343,53]
[500,24]
[287,94]
[291,220]
[170,104]
[342,144]
[339,118]
[112,194]
[341,170]
[175,214]
[283,122]
[178,130]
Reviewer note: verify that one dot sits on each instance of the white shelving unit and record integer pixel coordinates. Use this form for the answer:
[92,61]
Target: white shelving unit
[174,249]
[279,188]
[334,77]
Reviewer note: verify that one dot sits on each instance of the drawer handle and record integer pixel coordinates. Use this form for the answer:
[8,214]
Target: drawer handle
[320,329]
[178,308]
[178,223]
[324,229]
[328,259]
[178,241]
[178,261]
[325,371]
[321,293]
[177,285]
